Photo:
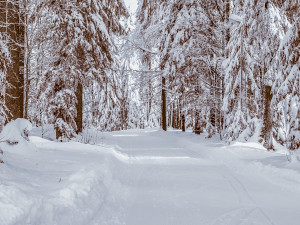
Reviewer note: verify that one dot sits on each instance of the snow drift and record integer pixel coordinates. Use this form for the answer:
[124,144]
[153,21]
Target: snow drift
[14,139]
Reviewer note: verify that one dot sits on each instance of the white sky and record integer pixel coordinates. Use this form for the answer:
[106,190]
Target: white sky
[132,5]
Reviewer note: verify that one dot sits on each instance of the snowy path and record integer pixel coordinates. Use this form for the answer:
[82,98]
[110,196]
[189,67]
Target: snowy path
[149,177]
[181,182]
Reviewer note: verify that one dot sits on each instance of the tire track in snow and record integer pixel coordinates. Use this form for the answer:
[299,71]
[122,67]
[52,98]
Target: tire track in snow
[192,153]
[244,197]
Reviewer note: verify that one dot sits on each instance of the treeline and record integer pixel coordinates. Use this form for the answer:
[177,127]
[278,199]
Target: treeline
[230,67]
[58,63]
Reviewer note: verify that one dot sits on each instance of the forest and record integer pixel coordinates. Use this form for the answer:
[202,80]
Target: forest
[224,67]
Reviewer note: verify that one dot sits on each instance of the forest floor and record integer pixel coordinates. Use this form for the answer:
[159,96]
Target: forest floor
[148,177]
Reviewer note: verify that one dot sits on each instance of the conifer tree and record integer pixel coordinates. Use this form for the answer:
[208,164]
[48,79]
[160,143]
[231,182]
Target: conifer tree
[151,23]
[286,89]
[258,34]
[81,33]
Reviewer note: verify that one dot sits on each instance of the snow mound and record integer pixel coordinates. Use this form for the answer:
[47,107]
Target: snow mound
[16,131]
[14,139]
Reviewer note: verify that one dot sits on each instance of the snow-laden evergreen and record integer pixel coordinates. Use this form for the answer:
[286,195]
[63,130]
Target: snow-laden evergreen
[253,44]
[82,48]
[286,89]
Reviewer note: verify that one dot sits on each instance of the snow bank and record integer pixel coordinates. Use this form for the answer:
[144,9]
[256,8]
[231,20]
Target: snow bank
[14,139]
[75,202]
[16,131]
[64,183]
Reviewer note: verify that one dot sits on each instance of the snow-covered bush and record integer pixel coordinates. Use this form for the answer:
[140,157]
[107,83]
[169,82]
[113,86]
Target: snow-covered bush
[14,138]
[15,131]
[89,136]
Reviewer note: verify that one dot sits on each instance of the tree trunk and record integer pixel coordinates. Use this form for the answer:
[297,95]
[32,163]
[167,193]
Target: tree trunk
[267,123]
[173,115]
[26,83]
[197,128]
[58,134]
[3,16]
[1,153]
[212,116]
[27,56]
[227,16]
[164,105]
[79,108]
[183,123]
[15,76]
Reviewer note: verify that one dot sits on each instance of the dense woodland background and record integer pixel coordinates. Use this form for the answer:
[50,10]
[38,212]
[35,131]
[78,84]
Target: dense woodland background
[230,67]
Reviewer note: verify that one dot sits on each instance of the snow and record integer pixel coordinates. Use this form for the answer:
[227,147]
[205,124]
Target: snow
[148,177]
[14,142]
[236,18]
[15,131]
[131,5]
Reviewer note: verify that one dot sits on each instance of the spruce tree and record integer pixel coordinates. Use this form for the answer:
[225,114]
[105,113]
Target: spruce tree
[82,36]
[258,34]
[286,89]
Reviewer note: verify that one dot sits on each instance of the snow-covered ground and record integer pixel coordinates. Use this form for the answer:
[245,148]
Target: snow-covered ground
[142,177]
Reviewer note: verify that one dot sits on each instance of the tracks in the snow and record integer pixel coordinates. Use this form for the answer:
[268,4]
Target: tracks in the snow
[192,153]
[248,208]
[247,212]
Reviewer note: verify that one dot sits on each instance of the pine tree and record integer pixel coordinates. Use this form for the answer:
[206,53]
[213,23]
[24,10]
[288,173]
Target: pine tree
[150,23]
[258,33]
[189,58]
[81,33]
[286,89]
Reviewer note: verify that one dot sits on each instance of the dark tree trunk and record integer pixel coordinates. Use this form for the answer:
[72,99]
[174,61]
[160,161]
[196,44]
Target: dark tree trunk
[58,133]
[173,116]
[26,90]
[164,105]
[178,116]
[197,127]
[15,76]
[227,15]
[1,153]
[79,108]
[267,123]
[27,57]
[58,86]
[213,116]
[183,123]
